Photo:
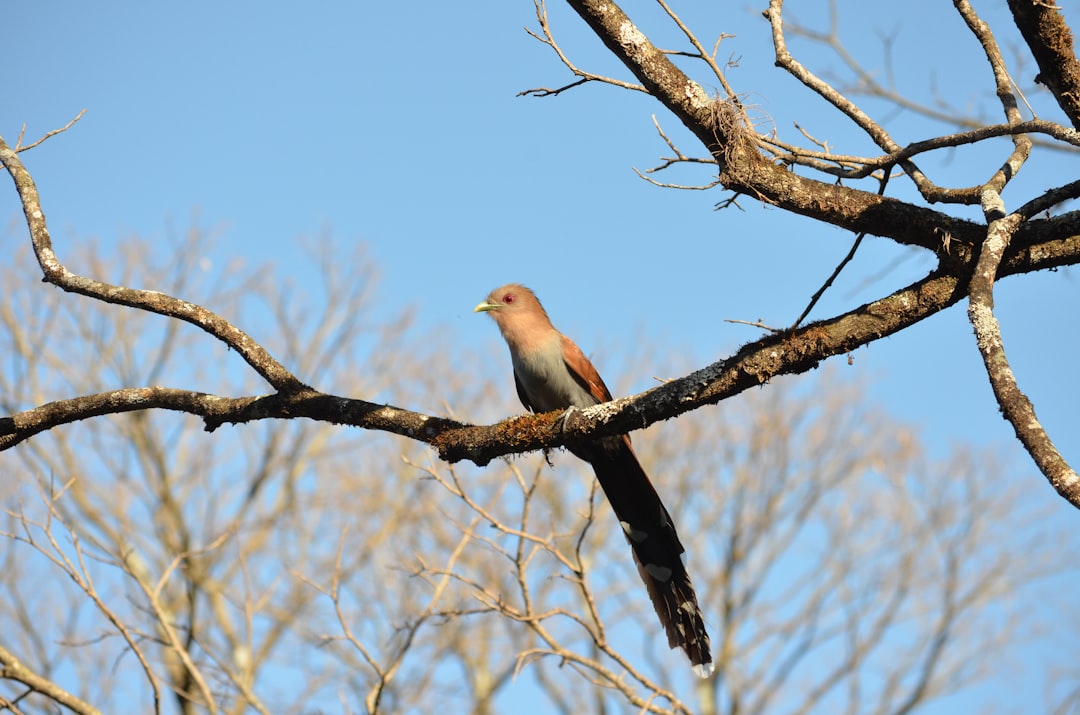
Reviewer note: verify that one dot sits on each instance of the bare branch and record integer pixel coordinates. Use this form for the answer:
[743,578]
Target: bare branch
[1051,43]
[12,668]
[1004,88]
[1014,404]
[48,135]
[709,58]
[785,60]
[857,167]
[836,271]
[79,574]
[548,39]
[152,301]
[548,92]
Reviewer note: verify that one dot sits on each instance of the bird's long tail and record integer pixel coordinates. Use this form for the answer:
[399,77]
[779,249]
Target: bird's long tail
[657,549]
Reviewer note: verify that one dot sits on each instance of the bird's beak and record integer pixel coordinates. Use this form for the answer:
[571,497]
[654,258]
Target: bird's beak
[485,307]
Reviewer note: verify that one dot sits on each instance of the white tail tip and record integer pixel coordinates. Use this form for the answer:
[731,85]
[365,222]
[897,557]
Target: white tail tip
[704,670]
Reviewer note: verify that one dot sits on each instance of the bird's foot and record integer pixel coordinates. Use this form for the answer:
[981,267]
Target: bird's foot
[561,419]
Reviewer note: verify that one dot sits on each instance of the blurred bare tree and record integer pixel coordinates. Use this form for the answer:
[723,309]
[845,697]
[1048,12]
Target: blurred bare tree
[294,566]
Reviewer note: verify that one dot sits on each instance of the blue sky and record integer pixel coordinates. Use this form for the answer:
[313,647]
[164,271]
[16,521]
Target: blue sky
[398,125]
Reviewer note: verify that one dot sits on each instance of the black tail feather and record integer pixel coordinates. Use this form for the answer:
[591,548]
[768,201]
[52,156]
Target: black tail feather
[658,552]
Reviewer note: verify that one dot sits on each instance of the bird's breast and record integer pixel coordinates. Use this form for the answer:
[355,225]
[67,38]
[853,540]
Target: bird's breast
[548,382]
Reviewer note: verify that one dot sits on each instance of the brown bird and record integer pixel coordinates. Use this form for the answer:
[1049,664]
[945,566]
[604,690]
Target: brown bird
[551,373]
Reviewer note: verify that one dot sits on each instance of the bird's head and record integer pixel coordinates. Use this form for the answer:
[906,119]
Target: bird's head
[520,317]
[508,300]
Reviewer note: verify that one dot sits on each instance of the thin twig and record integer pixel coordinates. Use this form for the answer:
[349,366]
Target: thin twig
[840,267]
[829,281]
[49,134]
[545,36]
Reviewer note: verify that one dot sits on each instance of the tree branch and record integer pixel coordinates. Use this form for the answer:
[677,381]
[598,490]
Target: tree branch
[151,301]
[1015,406]
[1051,43]
[11,668]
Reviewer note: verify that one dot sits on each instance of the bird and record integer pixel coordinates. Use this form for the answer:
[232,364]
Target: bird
[552,373]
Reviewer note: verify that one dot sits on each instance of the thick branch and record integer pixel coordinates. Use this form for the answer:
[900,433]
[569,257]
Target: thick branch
[216,411]
[1051,43]
[1015,405]
[11,668]
[744,169]
[722,129]
[755,364]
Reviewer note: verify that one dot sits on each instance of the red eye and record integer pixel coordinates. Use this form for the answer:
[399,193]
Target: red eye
[508,298]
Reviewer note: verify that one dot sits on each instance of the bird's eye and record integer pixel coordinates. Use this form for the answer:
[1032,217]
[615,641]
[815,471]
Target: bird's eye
[508,298]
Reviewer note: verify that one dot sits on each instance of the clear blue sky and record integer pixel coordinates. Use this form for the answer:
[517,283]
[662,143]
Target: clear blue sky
[397,125]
